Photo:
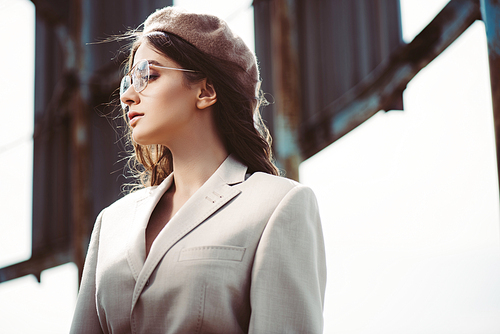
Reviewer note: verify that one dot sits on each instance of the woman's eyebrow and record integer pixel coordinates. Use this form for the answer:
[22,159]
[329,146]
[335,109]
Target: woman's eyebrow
[154,62]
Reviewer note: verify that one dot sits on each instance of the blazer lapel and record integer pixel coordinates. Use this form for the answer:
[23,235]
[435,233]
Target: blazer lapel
[144,208]
[214,194]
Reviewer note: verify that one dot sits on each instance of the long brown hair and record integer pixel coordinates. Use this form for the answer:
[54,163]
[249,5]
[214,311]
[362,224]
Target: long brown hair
[236,112]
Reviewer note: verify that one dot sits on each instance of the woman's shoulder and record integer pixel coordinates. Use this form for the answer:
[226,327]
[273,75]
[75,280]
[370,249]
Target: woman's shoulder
[272,180]
[268,183]
[131,198]
[275,194]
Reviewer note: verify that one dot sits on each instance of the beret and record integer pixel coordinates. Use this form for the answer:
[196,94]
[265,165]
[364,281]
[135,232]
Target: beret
[209,34]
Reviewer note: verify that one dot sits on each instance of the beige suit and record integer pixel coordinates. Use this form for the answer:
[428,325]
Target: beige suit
[245,254]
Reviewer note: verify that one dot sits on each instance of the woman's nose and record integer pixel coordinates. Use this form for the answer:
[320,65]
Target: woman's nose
[129,96]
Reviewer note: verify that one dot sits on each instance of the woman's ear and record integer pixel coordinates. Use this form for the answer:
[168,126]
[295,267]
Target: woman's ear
[207,95]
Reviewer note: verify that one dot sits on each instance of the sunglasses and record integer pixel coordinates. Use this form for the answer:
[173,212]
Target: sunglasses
[138,77]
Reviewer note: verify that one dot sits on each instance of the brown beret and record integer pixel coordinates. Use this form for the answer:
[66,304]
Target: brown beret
[209,34]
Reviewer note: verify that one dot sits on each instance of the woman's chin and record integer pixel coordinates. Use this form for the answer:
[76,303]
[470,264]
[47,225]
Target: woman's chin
[144,139]
[140,139]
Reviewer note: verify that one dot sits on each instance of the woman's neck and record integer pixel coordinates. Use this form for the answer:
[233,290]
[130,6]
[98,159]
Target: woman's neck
[194,165]
[197,152]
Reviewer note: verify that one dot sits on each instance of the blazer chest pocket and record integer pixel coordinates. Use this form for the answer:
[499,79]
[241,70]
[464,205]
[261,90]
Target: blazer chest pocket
[227,253]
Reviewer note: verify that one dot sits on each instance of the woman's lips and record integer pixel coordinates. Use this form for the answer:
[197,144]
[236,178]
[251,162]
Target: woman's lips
[133,117]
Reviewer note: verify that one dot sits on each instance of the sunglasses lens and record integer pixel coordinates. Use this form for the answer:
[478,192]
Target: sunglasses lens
[124,85]
[141,75]
[138,77]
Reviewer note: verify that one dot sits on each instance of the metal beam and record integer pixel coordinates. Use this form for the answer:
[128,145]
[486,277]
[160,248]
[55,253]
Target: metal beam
[35,265]
[49,11]
[377,91]
[75,148]
[80,176]
[285,74]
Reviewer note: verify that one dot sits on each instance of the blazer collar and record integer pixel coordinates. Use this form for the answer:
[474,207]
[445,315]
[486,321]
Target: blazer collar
[144,208]
[209,198]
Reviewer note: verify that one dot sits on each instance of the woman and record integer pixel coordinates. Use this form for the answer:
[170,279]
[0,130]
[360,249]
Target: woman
[215,242]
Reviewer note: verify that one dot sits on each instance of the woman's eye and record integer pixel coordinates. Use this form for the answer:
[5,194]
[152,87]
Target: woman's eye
[153,77]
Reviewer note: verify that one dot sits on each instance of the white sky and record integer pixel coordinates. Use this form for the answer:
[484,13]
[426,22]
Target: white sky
[409,200]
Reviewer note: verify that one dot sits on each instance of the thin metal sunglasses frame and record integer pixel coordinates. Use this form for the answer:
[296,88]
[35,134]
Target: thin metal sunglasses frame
[134,68]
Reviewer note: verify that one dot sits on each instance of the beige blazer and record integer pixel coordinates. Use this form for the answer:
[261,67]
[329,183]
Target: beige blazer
[245,254]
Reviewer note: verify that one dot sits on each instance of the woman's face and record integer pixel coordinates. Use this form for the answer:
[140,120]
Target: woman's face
[161,112]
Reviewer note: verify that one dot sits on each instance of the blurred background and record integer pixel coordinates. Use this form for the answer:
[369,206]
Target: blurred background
[391,127]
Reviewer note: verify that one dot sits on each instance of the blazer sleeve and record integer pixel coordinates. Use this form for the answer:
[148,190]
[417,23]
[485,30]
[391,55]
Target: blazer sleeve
[85,319]
[289,271]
